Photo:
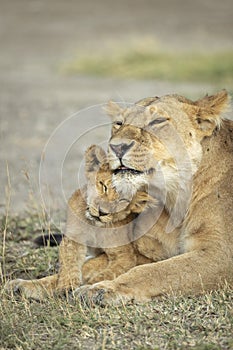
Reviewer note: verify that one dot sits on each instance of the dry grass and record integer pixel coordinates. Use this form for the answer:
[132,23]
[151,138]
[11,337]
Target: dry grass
[204,322]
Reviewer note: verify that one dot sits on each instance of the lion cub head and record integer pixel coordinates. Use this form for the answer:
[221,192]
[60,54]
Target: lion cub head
[104,203]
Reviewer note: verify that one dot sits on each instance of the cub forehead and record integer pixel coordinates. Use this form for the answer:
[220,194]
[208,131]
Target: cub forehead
[104,177]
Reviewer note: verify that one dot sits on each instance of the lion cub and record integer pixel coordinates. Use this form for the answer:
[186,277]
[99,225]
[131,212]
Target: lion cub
[112,216]
[97,217]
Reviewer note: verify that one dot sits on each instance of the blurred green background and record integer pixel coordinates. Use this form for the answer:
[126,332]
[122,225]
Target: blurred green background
[148,63]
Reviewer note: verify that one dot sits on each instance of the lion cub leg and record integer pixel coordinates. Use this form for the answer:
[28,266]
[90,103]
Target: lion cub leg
[72,256]
[98,267]
[34,289]
[120,260]
[93,267]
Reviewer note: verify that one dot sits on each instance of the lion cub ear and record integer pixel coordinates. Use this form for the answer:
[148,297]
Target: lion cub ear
[112,109]
[209,112]
[141,201]
[95,156]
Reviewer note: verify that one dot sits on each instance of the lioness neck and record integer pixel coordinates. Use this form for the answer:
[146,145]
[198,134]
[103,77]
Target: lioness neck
[217,158]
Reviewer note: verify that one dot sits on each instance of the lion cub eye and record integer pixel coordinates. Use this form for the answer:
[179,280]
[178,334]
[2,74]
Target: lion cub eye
[104,187]
[118,123]
[158,121]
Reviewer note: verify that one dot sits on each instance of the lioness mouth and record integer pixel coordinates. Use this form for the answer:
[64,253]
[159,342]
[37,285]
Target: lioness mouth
[123,169]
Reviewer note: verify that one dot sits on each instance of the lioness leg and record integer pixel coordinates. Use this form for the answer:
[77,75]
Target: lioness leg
[191,272]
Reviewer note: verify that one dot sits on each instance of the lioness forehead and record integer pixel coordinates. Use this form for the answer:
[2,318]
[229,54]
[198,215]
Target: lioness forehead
[135,115]
[139,116]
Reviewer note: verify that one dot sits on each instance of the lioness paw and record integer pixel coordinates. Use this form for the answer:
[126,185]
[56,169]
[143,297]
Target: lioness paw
[102,294]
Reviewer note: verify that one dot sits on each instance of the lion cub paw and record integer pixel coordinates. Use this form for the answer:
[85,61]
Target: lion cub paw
[14,286]
[28,289]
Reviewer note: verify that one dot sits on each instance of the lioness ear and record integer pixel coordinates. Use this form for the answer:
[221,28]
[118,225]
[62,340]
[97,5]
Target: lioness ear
[112,109]
[94,158]
[210,110]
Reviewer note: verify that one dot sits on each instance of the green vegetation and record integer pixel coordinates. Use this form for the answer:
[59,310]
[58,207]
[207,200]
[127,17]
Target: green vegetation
[198,323]
[144,63]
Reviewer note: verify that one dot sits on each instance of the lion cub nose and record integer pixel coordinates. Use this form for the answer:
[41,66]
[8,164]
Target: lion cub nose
[121,149]
[102,213]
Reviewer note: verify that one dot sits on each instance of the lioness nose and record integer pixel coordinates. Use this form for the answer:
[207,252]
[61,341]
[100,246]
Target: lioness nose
[121,148]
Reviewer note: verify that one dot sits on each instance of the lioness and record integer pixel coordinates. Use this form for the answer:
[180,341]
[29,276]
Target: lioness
[187,146]
[99,205]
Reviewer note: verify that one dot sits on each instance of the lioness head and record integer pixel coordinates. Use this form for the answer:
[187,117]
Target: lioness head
[104,203]
[163,133]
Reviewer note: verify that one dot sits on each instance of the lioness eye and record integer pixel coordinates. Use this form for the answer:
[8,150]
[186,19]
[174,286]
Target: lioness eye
[157,121]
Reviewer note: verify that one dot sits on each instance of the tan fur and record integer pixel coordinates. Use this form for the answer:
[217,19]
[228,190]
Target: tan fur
[96,205]
[191,245]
